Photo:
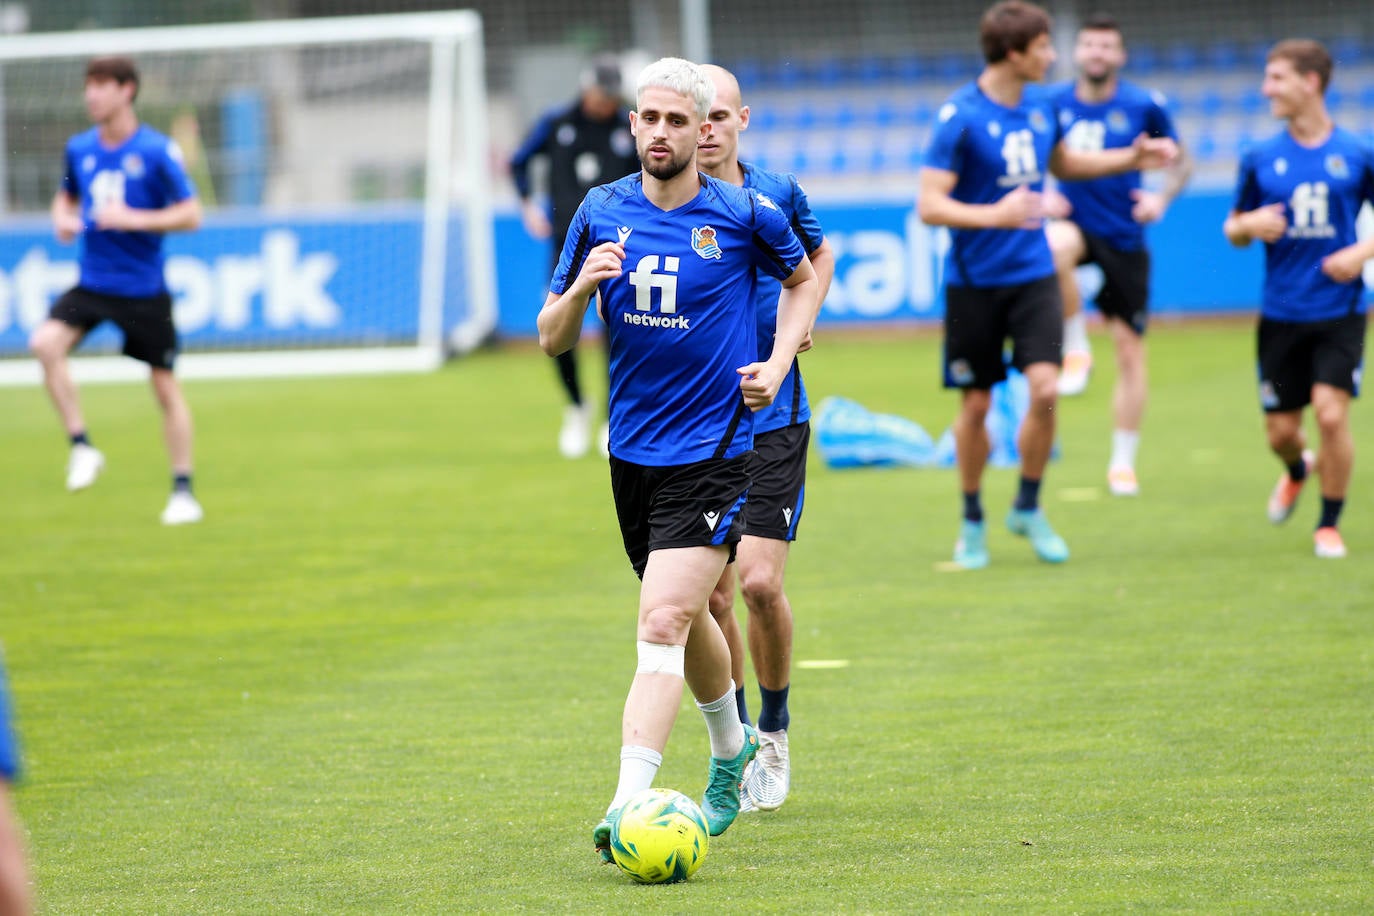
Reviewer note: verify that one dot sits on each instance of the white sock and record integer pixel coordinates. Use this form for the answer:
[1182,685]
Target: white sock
[1124,444]
[1076,333]
[638,769]
[722,722]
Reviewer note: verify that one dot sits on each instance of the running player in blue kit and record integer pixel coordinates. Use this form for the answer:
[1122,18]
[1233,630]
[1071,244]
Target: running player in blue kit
[125,186]
[1300,193]
[672,256]
[782,432]
[1103,223]
[984,172]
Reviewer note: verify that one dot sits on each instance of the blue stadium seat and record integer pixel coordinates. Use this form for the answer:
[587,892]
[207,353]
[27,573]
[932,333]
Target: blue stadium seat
[917,113]
[1346,50]
[785,74]
[1143,59]
[1211,103]
[870,70]
[910,68]
[952,65]
[1222,55]
[882,114]
[1181,56]
[1204,148]
[763,118]
[1367,100]
[1336,99]
[749,73]
[1252,102]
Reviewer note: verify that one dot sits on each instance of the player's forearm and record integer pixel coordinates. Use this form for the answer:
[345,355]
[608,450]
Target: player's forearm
[1075,165]
[63,207]
[560,321]
[797,309]
[182,216]
[942,210]
[1177,175]
[1235,230]
[823,263]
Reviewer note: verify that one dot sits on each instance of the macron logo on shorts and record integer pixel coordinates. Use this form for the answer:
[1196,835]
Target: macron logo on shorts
[711,519]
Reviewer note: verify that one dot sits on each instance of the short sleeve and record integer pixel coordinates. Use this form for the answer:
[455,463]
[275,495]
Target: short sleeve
[176,184]
[945,150]
[804,223]
[576,244]
[777,250]
[1158,121]
[1247,185]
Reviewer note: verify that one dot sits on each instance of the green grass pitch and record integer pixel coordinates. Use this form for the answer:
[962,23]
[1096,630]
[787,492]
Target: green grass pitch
[386,674]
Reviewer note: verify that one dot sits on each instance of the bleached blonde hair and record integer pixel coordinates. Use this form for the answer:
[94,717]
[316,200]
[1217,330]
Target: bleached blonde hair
[680,76]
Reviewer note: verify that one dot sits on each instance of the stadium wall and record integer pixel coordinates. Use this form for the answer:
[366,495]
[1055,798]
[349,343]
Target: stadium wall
[250,280]
[888,265]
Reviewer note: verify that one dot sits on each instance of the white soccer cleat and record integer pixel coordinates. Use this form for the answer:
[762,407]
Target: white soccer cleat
[182,509]
[1328,544]
[83,466]
[575,438]
[768,776]
[1073,378]
[1121,481]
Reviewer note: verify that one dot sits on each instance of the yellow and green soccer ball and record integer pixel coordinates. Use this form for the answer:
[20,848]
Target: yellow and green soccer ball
[660,837]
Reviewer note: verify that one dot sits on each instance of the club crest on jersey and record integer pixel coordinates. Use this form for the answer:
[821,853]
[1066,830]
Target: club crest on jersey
[1336,167]
[88,163]
[1280,166]
[994,129]
[1038,122]
[132,164]
[704,243]
[1117,122]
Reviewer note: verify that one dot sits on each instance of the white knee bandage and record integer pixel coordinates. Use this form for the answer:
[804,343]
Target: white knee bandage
[657,659]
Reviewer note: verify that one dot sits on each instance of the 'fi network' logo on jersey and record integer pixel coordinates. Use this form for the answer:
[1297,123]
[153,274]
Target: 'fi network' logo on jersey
[1311,208]
[646,278]
[1018,150]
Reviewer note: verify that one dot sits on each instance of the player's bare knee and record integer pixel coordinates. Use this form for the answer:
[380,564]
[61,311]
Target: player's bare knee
[722,601]
[762,589]
[46,345]
[665,624]
[1331,419]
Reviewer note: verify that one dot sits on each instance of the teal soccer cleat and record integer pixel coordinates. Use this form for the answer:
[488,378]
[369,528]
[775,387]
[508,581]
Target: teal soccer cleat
[971,550]
[721,802]
[1033,525]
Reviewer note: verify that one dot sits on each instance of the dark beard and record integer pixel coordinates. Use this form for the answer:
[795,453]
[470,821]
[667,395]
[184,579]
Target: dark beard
[668,170]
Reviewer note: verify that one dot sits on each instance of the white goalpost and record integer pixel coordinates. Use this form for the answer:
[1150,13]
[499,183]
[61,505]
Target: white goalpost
[343,164]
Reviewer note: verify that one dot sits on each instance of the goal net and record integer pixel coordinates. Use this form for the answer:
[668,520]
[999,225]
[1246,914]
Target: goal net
[343,165]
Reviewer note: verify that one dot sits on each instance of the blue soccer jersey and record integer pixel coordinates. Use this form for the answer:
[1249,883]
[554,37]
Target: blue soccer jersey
[681,316]
[1322,189]
[1102,206]
[994,149]
[9,751]
[791,405]
[145,172]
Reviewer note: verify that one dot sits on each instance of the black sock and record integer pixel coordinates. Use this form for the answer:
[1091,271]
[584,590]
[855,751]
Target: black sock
[1297,471]
[973,506]
[181,483]
[80,439]
[773,716]
[743,706]
[1028,496]
[1331,512]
